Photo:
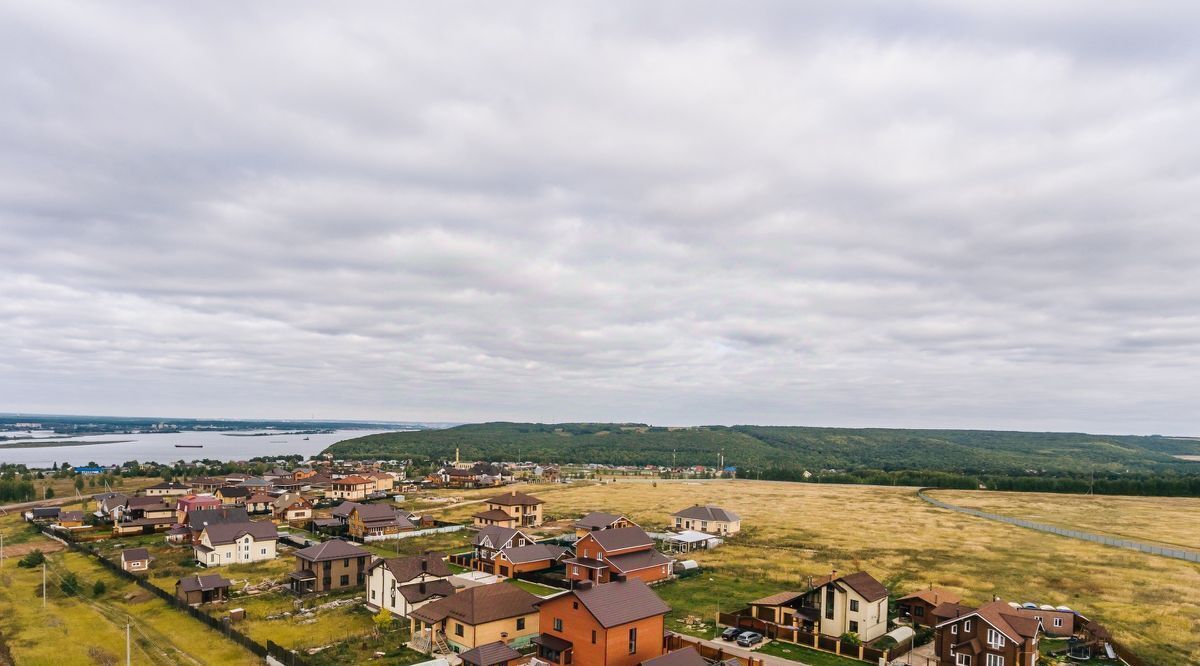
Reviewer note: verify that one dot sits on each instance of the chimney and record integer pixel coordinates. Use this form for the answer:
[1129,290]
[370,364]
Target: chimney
[514,492]
[424,566]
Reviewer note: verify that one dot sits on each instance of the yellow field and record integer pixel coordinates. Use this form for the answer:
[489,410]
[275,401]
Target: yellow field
[1170,521]
[793,530]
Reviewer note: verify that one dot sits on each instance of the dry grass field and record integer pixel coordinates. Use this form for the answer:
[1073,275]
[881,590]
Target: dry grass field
[792,531]
[1170,521]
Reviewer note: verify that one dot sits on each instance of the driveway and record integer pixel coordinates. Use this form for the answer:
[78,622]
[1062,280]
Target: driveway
[733,650]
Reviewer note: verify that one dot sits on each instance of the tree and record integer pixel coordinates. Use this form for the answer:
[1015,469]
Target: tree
[78,483]
[49,492]
[32,559]
[383,620]
[98,589]
[70,584]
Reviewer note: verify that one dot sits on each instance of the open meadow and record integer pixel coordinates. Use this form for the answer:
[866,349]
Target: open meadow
[792,531]
[1168,521]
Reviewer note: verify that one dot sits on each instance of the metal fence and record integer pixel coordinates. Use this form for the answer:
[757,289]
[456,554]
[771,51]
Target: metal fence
[415,533]
[1177,553]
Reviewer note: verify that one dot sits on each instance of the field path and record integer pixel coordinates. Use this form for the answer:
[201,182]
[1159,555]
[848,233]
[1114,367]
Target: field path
[1176,553]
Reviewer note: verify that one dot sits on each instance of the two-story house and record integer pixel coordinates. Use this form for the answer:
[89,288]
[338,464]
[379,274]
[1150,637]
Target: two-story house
[513,509]
[332,565]
[476,616]
[918,607]
[168,489]
[401,585]
[353,488]
[708,519]
[188,503]
[617,624]
[292,508]
[599,520]
[235,543]
[994,634]
[623,552]
[489,541]
[855,603]
[377,521]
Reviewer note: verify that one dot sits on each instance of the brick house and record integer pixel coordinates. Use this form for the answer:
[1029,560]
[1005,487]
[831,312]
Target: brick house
[616,624]
[490,540]
[332,565]
[377,521]
[351,488]
[599,520]
[918,607]
[626,552]
[995,634]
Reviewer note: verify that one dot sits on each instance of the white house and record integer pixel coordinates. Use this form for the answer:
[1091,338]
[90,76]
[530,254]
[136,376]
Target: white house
[401,585]
[232,543]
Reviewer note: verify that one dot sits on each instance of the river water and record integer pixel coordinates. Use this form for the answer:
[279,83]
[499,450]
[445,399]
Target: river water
[160,447]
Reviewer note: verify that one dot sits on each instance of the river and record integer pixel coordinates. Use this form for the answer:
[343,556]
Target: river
[160,447]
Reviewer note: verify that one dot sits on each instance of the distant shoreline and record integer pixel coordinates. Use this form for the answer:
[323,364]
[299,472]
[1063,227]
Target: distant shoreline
[33,444]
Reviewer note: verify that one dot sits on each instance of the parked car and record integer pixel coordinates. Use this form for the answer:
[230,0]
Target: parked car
[749,638]
[731,633]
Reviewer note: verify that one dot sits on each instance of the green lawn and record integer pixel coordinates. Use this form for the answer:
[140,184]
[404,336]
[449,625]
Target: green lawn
[540,590]
[806,655]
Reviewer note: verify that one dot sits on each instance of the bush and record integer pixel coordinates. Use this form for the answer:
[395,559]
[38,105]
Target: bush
[98,589]
[70,584]
[850,638]
[923,636]
[33,559]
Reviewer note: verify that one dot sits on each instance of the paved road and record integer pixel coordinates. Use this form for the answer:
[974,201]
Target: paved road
[54,501]
[733,650]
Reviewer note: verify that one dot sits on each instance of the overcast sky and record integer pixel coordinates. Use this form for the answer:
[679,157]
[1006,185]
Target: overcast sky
[895,214]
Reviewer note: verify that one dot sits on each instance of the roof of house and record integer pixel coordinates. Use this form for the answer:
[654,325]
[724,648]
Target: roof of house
[352,480]
[688,656]
[381,514]
[418,592]
[133,502]
[493,514]
[134,554]
[952,610]
[708,512]
[999,615]
[198,583]
[408,568]
[621,538]
[233,491]
[168,485]
[861,582]
[490,654]
[497,536]
[515,498]
[260,498]
[198,519]
[642,559]
[343,510]
[535,552]
[288,499]
[335,549]
[621,602]
[933,596]
[46,511]
[223,533]
[478,605]
[70,516]
[778,599]
[597,520]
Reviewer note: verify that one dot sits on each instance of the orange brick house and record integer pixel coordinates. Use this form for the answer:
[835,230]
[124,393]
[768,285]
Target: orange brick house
[626,552]
[615,624]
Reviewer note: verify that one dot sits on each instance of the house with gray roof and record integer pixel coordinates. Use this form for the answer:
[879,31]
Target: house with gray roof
[708,519]
[235,543]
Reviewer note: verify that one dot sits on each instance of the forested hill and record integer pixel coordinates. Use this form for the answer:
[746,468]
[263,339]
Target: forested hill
[787,448]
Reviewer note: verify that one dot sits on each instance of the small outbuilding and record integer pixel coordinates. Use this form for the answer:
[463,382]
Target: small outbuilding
[135,559]
[491,654]
[202,589]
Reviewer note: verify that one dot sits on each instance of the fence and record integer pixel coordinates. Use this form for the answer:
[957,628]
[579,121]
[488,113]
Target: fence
[742,620]
[677,642]
[223,626]
[1177,553]
[415,533]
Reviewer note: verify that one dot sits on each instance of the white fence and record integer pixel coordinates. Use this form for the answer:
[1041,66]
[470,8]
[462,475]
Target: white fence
[415,533]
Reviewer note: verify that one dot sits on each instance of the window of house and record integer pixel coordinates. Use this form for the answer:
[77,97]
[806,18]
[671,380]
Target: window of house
[963,660]
[853,626]
[458,629]
[995,660]
[372,594]
[263,551]
[558,624]
[520,624]
[967,625]
[995,639]
[599,557]
[633,640]
[954,628]
[345,580]
[575,570]
[829,596]
[854,605]
[1058,622]
[919,611]
[593,636]
[575,605]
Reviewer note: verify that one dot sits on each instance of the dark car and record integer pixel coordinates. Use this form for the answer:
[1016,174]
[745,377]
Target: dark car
[731,633]
[749,638]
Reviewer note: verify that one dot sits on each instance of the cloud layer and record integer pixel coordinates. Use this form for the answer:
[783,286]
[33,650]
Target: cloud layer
[979,216]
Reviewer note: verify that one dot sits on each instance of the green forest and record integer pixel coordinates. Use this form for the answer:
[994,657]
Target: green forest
[1056,462]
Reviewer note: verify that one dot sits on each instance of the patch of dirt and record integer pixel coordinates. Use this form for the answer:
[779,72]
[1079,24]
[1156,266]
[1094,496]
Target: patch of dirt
[6,658]
[22,549]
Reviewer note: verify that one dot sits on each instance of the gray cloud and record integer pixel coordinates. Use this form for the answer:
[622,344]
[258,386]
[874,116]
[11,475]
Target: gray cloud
[949,215]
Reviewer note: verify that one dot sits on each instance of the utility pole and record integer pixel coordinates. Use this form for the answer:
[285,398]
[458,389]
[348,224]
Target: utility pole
[127,655]
[43,585]
[1,550]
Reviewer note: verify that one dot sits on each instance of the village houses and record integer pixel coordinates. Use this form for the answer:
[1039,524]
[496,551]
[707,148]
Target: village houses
[400,585]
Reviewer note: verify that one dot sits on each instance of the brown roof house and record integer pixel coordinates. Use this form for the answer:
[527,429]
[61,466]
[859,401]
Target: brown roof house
[855,603]
[474,617]
[292,508]
[624,552]
[524,559]
[994,634]
[491,654]
[490,540]
[196,589]
[599,520]
[918,607]
[332,565]
[708,519]
[513,509]
[617,624]
[688,656]
[351,488]
[135,559]
[403,584]
[376,522]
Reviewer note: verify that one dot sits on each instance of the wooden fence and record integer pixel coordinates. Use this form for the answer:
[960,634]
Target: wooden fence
[742,620]
[676,642]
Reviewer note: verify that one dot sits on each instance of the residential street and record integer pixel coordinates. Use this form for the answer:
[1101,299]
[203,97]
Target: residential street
[733,650]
